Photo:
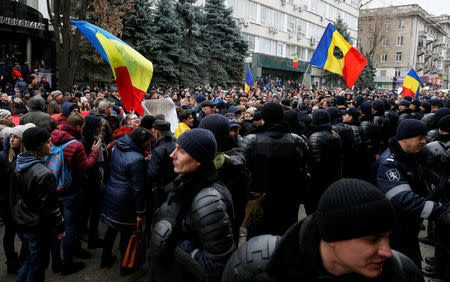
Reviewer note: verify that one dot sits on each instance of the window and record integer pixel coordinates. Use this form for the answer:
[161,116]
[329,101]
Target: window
[370,42]
[279,20]
[398,56]
[382,72]
[384,42]
[383,57]
[397,72]
[400,41]
[401,25]
[291,21]
[387,26]
[251,41]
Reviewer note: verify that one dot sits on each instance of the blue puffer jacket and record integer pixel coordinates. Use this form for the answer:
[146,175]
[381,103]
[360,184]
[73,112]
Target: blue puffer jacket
[123,198]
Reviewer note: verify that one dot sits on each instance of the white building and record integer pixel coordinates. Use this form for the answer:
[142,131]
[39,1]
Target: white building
[277,29]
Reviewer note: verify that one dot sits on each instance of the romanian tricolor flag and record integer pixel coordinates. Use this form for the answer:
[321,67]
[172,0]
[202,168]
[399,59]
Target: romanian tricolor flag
[294,61]
[336,55]
[132,71]
[412,85]
[248,80]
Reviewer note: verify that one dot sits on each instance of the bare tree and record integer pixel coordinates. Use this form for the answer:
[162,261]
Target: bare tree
[378,22]
[67,37]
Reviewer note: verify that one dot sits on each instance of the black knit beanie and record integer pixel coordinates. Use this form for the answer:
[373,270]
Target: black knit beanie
[34,137]
[366,108]
[340,101]
[140,135]
[272,112]
[444,124]
[404,103]
[427,106]
[218,124]
[200,144]
[408,98]
[440,113]
[352,208]
[378,106]
[147,121]
[333,112]
[320,117]
[410,128]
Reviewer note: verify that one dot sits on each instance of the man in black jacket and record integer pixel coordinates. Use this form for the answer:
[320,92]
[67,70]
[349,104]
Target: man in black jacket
[160,167]
[34,204]
[347,239]
[277,161]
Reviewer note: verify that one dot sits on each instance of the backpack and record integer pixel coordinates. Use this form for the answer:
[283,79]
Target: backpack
[55,162]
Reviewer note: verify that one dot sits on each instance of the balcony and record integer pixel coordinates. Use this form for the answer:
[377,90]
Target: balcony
[420,51]
[419,66]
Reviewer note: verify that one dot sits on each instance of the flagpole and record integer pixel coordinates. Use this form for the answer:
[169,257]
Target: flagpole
[303,79]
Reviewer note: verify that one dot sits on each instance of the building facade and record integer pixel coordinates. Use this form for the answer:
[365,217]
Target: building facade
[444,21]
[277,29]
[400,38]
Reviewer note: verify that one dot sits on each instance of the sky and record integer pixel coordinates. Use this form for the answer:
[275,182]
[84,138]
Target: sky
[435,7]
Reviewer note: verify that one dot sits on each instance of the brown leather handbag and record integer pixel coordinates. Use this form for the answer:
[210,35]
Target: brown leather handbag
[135,254]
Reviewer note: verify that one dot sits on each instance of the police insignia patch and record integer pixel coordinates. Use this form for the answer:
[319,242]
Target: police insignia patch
[393,175]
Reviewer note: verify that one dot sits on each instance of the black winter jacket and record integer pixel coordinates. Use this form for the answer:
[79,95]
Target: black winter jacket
[33,199]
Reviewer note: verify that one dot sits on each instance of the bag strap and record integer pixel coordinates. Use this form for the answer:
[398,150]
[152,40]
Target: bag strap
[67,143]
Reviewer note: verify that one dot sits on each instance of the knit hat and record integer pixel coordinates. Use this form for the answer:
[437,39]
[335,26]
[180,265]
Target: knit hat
[218,125]
[447,104]
[272,112]
[320,117]
[408,98]
[234,122]
[353,112]
[234,110]
[20,129]
[427,106]
[378,106]
[366,108]
[34,137]
[352,208]
[436,102]
[140,135]
[147,121]
[83,99]
[404,103]
[200,98]
[340,101]
[286,102]
[410,128]
[416,103]
[257,116]
[104,104]
[200,144]
[4,113]
[56,93]
[359,99]
[442,112]
[333,112]
[444,124]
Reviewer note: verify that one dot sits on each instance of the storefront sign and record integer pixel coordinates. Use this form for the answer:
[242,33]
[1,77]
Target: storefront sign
[22,23]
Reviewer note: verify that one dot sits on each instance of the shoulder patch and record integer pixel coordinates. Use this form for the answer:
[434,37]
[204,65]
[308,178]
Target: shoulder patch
[393,175]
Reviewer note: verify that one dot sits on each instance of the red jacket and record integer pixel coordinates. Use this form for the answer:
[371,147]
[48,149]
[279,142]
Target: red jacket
[74,154]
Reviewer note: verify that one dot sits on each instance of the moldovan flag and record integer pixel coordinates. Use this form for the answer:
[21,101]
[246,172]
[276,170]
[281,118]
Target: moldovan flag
[412,85]
[294,61]
[336,55]
[131,70]
[248,80]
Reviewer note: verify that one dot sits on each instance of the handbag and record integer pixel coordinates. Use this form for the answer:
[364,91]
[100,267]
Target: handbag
[135,254]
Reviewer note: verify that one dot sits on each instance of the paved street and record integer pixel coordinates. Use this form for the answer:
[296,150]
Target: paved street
[93,272]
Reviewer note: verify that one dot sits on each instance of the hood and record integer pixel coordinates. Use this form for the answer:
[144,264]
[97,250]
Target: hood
[66,107]
[126,144]
[64,134]
[25,160]
[37,103]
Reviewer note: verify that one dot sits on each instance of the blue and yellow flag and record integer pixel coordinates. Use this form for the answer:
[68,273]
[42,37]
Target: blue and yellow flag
[412,85]
[336,55]
[132,71]
[248,80]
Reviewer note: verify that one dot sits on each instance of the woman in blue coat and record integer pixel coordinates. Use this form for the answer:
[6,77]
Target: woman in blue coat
[123,200]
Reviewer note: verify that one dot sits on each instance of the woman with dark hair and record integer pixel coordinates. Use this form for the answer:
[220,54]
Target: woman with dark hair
[123,199]
[17,106]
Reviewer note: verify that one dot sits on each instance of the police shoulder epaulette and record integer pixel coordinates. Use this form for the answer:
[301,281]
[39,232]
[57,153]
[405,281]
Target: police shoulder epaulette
[390,158]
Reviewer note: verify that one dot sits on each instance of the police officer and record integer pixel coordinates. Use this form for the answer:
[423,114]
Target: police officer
[382,123]
[433,131]
[370,140]
[398,174]
[347,239]
[277,162]
[403,111]
[192,236]
[327,158]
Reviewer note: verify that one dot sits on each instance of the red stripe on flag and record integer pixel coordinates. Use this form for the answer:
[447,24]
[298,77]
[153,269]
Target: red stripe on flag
[131,96]
[353,66]
[408,92]
[295,65]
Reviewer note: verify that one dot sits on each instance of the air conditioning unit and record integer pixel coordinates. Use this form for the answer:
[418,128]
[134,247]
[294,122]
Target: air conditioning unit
[313,41]
[321,19]
[296,7]
[291,35]
[241,20]
[246,22]
[283,2]
[273,30]
[302,33]
[299,37]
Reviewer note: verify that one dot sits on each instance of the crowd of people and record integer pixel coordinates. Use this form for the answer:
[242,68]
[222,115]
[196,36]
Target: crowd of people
[368,167]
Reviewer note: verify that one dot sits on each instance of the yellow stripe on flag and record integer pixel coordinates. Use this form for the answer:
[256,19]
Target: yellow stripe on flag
[334,64]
